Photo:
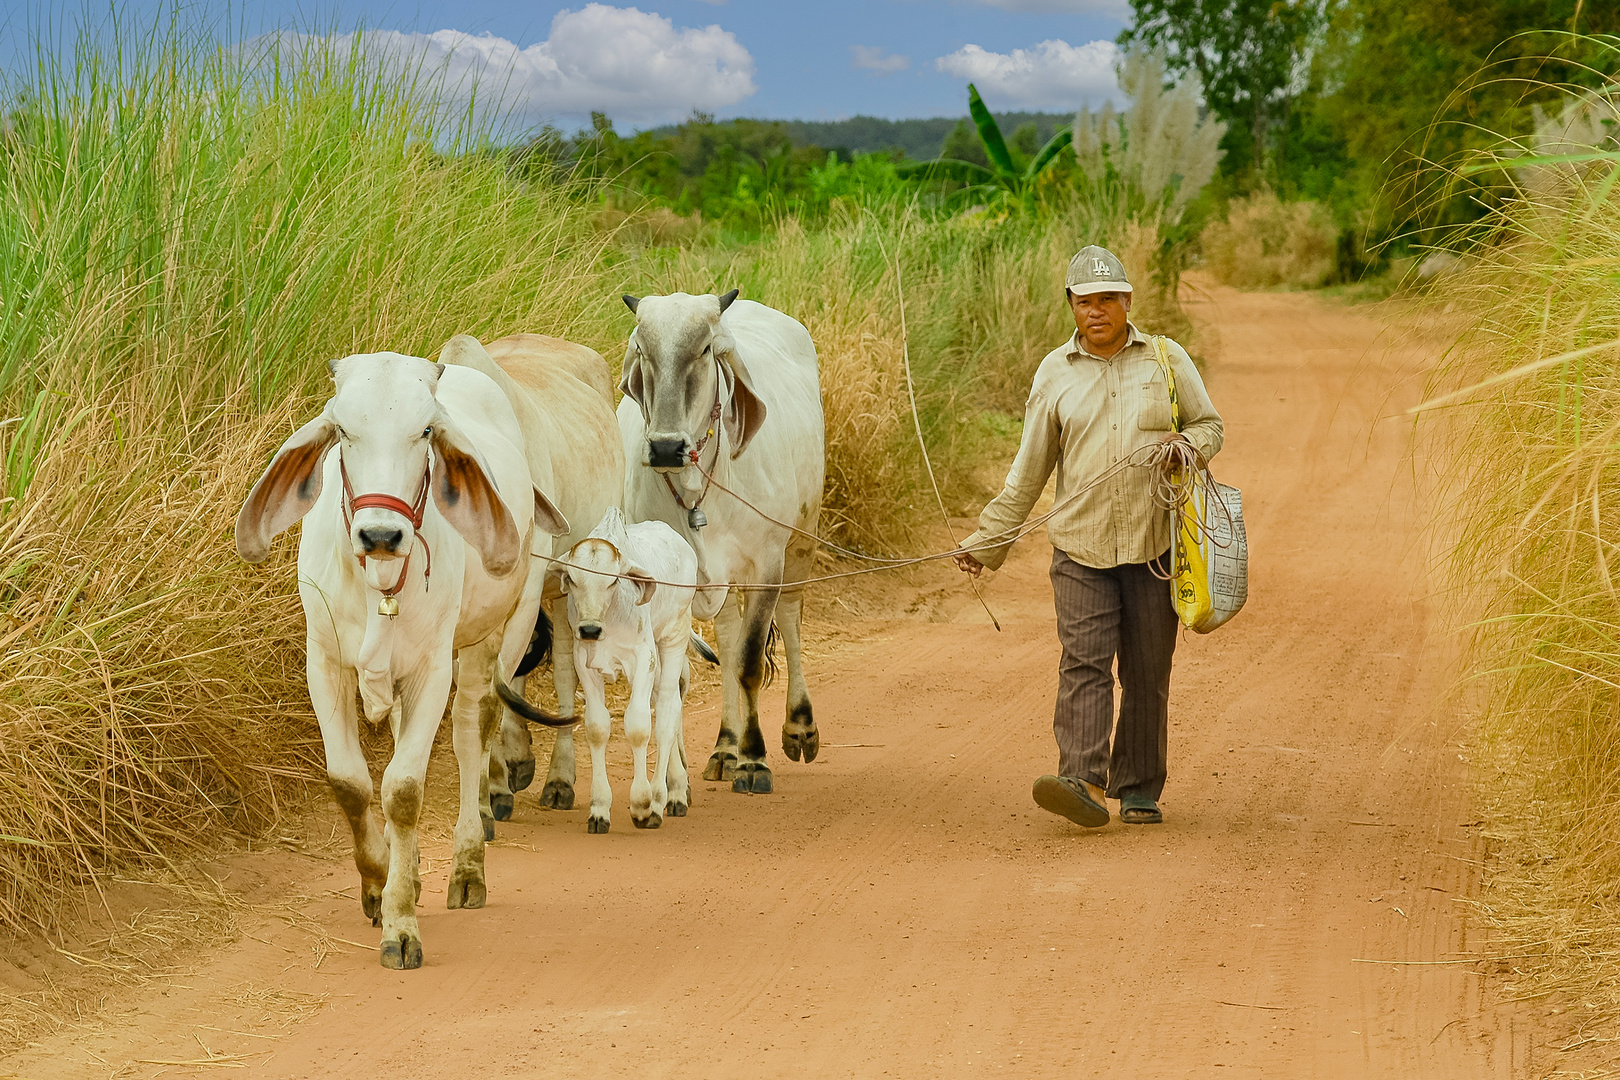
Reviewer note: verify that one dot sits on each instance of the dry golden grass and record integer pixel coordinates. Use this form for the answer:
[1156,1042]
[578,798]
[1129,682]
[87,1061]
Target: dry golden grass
[1155,308]
[146,687]
[656,226]
[1266,243]
[171,286]
[187,272]
[1526,486]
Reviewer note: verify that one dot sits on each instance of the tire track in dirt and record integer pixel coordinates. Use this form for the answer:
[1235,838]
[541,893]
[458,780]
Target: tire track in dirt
[903,909]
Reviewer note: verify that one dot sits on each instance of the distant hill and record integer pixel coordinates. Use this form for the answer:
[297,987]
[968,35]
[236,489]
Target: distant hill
[919,139]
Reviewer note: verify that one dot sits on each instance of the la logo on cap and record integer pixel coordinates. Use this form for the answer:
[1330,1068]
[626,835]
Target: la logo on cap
[1100,268]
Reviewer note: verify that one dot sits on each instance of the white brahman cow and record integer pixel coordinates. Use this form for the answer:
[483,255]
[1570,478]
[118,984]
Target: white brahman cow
[397,588]
[730,387]
[629,592]
[562,393]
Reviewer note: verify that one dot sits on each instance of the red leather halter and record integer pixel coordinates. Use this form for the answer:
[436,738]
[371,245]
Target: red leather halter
[696,453]
[412,513]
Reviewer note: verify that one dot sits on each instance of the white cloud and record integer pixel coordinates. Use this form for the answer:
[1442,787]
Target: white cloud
[636,66]
[871,58]
[1052,75]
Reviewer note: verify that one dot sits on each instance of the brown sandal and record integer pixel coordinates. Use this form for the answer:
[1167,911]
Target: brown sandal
[1139,810]
[1068,797]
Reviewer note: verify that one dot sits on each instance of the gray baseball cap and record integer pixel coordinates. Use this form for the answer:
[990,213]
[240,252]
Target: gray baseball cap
[1095,270]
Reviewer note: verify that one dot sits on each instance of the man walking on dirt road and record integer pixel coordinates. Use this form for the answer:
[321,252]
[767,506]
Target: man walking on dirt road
[1096,400]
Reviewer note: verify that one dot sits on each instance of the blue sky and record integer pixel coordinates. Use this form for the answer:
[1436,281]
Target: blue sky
[656,60]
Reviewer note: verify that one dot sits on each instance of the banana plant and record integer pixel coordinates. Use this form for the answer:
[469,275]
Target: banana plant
[1003,178]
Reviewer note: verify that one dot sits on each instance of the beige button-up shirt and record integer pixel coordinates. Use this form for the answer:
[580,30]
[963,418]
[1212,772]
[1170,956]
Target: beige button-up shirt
[1085,414]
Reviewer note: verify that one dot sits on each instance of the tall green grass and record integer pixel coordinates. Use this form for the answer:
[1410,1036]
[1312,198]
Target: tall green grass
[1529,490]
[188,234]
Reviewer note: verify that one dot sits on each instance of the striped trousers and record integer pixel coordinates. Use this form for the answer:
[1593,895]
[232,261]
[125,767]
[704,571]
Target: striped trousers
[1122,613]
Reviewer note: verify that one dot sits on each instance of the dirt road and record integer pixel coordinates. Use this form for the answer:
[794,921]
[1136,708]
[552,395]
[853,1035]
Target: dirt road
[901,908]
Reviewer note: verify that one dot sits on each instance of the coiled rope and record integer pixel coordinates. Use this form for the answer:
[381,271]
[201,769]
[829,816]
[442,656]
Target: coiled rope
[1180,471]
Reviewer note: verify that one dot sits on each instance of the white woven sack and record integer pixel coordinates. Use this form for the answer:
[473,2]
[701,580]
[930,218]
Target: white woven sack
[1225,548]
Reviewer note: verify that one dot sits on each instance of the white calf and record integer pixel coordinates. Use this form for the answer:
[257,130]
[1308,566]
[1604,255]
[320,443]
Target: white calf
[623,621]
[726,387]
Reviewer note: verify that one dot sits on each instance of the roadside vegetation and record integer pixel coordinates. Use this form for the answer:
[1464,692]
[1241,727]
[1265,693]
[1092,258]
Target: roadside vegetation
[188,235]
[1527,416]
[181,250]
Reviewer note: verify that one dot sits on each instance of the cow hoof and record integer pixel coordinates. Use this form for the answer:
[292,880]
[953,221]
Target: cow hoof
[598,824]
[500,806]
[557,795]
[489,827]
[520,774]
[403,954]
[801,742]
[675,809]
[752,779]
[651,821]
[722,766]
[371,903]
[466,892]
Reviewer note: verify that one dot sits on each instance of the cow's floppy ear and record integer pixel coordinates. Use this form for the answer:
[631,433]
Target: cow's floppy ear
[286,491]
[642,580]
[467,498]
[547,518]
[631,386]
[745,412]
[554,584]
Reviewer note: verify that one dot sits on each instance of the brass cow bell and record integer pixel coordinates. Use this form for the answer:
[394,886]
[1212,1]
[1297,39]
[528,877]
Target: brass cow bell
[696,518]
[389,606]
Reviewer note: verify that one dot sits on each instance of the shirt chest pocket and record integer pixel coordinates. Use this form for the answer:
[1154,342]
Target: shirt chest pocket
[1153,411]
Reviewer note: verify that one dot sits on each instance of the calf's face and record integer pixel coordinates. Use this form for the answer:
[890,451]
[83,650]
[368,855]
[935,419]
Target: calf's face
[595,574]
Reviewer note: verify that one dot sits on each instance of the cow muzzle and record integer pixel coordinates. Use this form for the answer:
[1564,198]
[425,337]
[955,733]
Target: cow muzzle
[668,452]
[380,540]
[590,631]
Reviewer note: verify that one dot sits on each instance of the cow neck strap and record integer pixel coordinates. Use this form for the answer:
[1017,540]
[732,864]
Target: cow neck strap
[412,513]
[694,515]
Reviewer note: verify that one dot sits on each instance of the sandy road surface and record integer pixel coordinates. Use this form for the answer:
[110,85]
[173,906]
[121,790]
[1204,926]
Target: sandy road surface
[902,909]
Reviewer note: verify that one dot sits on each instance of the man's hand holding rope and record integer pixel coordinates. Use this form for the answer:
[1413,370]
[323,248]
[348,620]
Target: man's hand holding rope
[1164,461]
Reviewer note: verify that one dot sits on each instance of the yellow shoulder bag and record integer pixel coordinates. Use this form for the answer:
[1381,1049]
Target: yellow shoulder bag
[1210,580]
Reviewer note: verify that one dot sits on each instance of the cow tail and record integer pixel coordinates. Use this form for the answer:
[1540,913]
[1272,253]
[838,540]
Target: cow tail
[770,656]
[521,708]
[539,645]
[703,649]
